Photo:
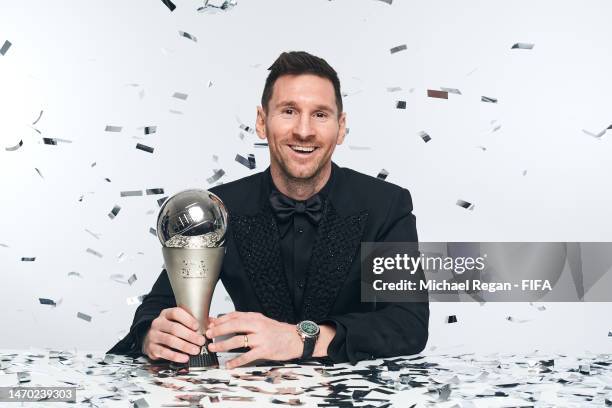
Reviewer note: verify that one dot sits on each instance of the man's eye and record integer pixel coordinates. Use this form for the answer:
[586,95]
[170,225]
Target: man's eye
[288,111]
[321,115]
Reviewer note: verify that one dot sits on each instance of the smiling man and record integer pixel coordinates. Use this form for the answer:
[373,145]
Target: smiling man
[292,263]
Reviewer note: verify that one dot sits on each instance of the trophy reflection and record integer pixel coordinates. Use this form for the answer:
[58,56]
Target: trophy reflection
[191,227]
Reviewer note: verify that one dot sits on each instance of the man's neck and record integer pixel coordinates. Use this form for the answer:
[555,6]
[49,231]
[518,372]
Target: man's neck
[299,189]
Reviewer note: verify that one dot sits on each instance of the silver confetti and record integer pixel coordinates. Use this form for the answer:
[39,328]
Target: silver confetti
[144,148]
[5,47]
[488,99]
[426,138]
[398,48]
[131,193]
[45,301]
[28,259]
[180,95]
[84,316]
[94,252]
[451,90]
[465,204]
[150,130]
[187,35]
[382,174]
[132,279]
[13,148]
[114,212]
[523,46]
[38,118]
[216,176]
[110,128]
[154,191]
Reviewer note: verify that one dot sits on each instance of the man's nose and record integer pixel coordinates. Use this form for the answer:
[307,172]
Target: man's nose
[303,128]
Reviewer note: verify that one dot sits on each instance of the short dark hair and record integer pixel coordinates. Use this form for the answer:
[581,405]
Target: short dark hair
[296,63]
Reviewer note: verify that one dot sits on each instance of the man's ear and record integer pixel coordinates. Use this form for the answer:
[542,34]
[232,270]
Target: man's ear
[341,128]
[260,123]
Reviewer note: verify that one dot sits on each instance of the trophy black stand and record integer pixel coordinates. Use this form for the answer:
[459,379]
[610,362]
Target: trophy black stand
[203,361]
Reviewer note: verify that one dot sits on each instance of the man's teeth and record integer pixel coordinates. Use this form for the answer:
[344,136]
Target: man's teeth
[303,149]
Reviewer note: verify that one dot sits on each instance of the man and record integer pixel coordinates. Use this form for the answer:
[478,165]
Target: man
[293,244]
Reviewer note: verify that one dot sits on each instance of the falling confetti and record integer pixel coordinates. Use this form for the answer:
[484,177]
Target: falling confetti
[399,48]
[432,93]
[84,316]
[13,148]
[114,212]
[426,138]
[217,174]
[110,128]
[150,130]
[144,148]
[28,259]
[488,99]
[94,252]
[131,193]
[38,118]
[465,204]
[169,4]
[248,162]
[180,95]
[189,36]
[45,301]
[400,105]
[523,46]
[154,191]
[451,90]
[451,319]
[5,47]
[382,174]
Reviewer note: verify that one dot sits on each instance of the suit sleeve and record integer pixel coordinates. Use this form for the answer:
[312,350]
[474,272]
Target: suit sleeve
[161,297]
[392,329]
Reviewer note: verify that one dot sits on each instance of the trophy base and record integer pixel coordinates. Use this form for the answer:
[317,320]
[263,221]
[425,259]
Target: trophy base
[203,361]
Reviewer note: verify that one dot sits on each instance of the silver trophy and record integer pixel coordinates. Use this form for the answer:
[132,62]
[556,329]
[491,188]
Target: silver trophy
[191,226]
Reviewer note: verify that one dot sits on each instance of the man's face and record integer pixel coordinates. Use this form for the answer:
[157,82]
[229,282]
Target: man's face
[302,125]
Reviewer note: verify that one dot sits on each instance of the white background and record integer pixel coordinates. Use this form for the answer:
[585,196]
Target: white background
[89,64]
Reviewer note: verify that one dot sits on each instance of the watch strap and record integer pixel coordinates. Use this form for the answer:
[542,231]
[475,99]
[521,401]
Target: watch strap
[309,345]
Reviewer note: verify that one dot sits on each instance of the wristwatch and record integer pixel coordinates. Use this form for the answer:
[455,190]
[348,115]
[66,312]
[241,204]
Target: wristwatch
[309,332]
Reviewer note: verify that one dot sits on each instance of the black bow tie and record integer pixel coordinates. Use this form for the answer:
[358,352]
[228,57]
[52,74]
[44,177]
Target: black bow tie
[284,207]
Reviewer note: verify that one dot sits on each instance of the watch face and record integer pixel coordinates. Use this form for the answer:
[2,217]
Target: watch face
[309,328]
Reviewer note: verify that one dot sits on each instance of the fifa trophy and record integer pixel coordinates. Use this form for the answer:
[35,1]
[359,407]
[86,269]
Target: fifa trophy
[191,227]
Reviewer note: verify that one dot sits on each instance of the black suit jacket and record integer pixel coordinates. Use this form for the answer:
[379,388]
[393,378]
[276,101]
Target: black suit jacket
[359,209]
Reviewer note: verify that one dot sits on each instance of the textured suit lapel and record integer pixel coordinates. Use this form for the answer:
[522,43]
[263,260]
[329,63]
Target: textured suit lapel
[257,240]
[336,246]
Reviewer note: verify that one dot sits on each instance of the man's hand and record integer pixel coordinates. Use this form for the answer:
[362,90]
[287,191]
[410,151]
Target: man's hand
[173,336]
[268,339]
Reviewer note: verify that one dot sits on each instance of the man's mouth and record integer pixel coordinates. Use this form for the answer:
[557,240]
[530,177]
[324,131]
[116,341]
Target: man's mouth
[305,150]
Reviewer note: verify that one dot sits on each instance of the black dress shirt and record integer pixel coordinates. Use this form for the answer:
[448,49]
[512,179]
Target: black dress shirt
[297,237]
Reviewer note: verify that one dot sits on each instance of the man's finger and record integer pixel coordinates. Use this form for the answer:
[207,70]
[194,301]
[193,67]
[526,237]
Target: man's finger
[174,342]
[178,330]
[229,344]
[180,315]
[228,316]
[238,325]
[243,359]
[160,351]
